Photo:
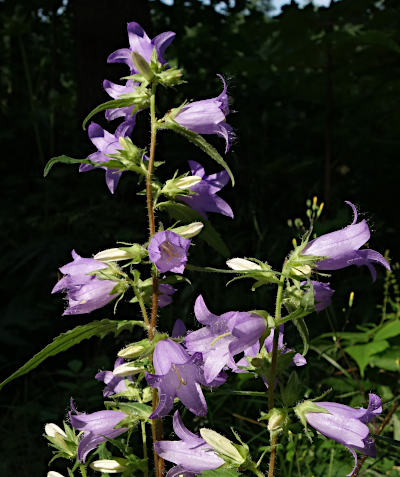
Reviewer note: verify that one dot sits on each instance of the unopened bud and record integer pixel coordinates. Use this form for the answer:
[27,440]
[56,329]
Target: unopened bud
[276,419]
[136,349]
[242,264]
[52,430]
[142,66]
[187,182]
[189,231]
[110,466]
[222,446]
[301,271]
[53,473]
[112,255]
[127,369]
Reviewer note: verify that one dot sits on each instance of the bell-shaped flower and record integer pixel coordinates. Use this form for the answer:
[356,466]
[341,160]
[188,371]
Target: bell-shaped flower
[115,91]
[107,143]
[178,375]
[322,294]
[207,116]
[341,248]
[191,454]
[165,294]
[85,291]
[114,384]
[97,427]
[223,337]
[168,251]
[179,329]
[347,425]
[140,43]
[205,198]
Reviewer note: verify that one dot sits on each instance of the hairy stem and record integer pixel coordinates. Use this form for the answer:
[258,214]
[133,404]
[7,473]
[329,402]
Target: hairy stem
[155,426]
[141,304]
[274,360]
[82,468]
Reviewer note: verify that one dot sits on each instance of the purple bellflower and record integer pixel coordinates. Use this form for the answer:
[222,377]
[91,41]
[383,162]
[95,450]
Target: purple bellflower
[205,198]
[298,359]
[341,248]
[179,329]
[168,251]
[107,143]
[140,43]
[223,337]
[322,294]
[85,292]
[97,427]
[191,454]
[165,291]
[347,425]
[114,384]
[178,375]
[115,91]
[208,116]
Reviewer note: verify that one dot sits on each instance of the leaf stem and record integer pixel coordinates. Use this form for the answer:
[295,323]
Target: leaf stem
[144,442]
[82,468]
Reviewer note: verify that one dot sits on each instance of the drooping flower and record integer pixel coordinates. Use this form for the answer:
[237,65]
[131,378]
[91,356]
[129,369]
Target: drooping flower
[341,248]
[115,91]
[168,251]
[223,337]
[178,375]
[347,425]
[165,294]
[205,198]
[179,329]
[97,427]
[107,143]
[191,454]
[85,292]
[208,116]
[322,294]
[298,359]
[140,43]
[114,384]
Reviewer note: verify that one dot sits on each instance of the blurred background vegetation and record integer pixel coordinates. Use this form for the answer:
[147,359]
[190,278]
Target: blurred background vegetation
[315,105]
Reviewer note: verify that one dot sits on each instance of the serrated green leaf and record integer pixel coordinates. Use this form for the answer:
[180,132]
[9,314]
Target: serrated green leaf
[63,160]
[303,330]
[388,331]
[221,472]
[70,338]
[362,353]
[142,411]
[113,104]
[199,141]
[185,214]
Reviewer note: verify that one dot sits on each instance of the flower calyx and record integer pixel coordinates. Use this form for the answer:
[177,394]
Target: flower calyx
[65,442]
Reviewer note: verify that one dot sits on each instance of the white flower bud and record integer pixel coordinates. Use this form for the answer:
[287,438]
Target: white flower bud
[127,369]
[241,264]
[112,255]
[52,430]
[189,231]
[53,473]
[302,271]
[187,182]
[131,351]
[222,445]
[109,466]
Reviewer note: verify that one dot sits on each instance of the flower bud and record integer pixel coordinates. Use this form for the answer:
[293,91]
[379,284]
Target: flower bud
[178,185]
[302,271]
[142,66]
[134,350]
[223,446]
[277,419]
[170,77]
[110,466]
[187,182]
[127,369]
[53,473]
[241,264]
[52,430]
[189,231]
[112,255]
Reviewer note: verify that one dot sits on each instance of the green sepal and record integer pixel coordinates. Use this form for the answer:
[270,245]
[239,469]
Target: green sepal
[142,66]
[136,411]
[223,447]
[305,407]
[64,160]
[303,331]
[72,337]
[198,140]
[113,104]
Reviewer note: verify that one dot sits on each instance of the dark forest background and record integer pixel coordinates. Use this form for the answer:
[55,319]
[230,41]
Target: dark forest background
[315,101]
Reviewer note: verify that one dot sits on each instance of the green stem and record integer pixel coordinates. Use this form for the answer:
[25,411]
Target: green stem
[141,304]
[144,442]
[274,360]
[82,468]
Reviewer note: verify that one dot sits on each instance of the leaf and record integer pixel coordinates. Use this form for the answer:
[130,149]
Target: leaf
[389,359]
[70,338]
[303,330]
[362,353]
[113,104]
[142,411]
[388,331]
[64,160]
[199,141]
[187,215]
[221,472]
